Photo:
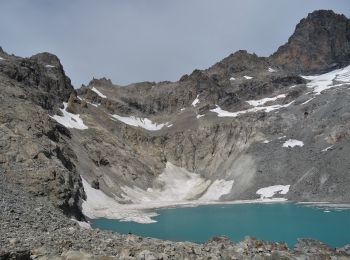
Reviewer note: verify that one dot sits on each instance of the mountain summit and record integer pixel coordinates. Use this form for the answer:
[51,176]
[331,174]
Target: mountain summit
[320,42]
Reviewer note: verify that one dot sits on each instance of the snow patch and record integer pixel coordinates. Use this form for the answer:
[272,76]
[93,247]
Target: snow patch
[266,141]
[247,77]
[69,120]
[199,116]
[196,101]
[260,102]
[327,148]
[92,104]
[49,66]
[232,78]
[98,92]
[82,224]
[1,58]
[224,113]
[271,70]
[326,81]
[269,192]
[139,122]
[292,143]
[307,101]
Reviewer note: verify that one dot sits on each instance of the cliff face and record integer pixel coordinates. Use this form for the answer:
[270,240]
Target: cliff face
[321,41]
[35,150]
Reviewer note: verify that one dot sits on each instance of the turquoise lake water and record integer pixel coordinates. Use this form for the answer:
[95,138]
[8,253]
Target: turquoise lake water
[273,222]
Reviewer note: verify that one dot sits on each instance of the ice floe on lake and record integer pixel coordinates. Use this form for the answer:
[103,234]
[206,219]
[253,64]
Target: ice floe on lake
[139,122]
[269,192]
[69,120]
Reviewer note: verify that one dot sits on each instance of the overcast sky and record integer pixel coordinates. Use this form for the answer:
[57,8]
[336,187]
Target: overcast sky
[149,40]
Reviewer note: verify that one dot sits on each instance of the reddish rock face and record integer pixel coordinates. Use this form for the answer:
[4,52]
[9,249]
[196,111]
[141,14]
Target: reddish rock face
[320,42]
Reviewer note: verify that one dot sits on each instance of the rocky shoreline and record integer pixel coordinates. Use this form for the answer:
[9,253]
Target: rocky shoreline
[31,228]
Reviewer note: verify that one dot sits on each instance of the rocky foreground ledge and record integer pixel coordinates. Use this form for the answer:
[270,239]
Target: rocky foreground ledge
[31,228]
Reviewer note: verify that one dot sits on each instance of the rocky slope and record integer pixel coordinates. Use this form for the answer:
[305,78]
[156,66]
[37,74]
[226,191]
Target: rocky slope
[231,122]
[245,123]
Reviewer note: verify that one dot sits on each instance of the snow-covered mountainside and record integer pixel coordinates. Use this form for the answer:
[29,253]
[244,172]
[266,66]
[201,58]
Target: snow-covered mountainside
[247,128]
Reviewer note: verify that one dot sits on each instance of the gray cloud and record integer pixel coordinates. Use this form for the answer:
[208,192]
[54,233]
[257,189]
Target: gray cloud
[130,41]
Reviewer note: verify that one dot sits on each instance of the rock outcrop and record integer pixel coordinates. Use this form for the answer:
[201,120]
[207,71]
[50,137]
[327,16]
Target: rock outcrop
[35,150]
[320,42]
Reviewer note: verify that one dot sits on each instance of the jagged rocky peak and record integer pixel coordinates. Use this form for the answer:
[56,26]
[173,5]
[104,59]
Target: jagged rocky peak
[237,62]
[47,59]
[321,41]
[41,76]
[101,81]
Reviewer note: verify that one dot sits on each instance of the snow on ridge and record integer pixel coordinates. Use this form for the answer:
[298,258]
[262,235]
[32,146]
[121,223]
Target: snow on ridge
[292,143]
[269,192]
[260,102]
[69,120]
[247,77]
[196,101]
[139,122]
[98,92]
[224,113]
[326,81]
[271,70]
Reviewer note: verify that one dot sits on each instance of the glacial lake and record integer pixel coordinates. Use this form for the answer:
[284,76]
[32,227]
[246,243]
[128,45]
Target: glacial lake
[273,222]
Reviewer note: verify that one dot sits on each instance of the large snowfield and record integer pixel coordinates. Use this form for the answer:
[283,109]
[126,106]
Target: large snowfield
[174,187]
[335,78]
[69,120]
